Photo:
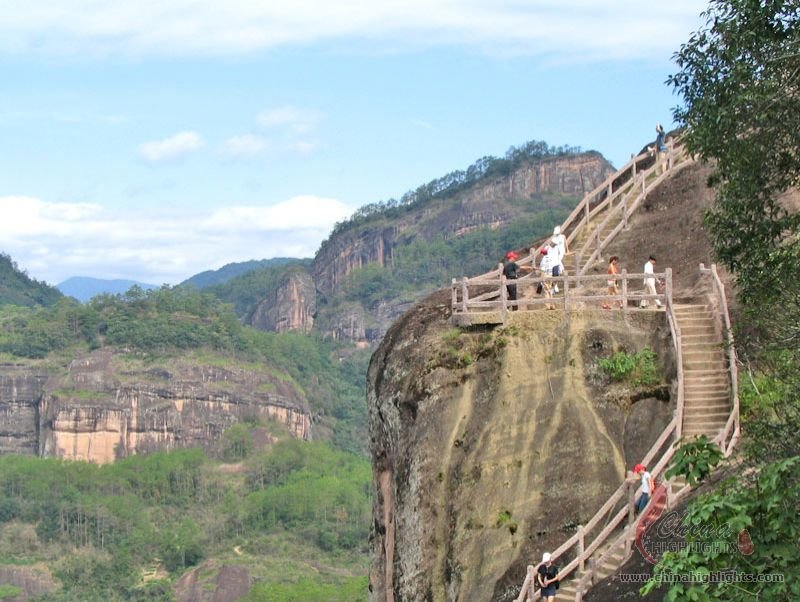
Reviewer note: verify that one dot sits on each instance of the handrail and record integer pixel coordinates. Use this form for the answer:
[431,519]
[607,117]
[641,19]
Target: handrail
[463,302]
[733,371]
[626,210]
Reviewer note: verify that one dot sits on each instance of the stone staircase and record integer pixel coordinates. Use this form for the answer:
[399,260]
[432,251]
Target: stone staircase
[706,381]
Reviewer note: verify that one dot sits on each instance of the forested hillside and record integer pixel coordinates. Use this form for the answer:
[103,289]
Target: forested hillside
[293,515]
[17,288]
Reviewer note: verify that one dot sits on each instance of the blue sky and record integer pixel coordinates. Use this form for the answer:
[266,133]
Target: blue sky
[152,140]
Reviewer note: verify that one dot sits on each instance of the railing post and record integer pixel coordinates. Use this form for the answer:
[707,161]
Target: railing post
[625,212]
[578,265]
[597,240]
[503,297]
[586,213]
[668,288]
[581,548]
[566,294]
[609,193]
[464,294]
[531,577]
[624,292]
[631,517]
[633,175]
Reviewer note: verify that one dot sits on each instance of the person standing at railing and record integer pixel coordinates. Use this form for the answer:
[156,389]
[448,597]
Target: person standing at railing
[661,148]
[612,283]
[547,577]
[563,247]
[649,281]
[557,269]
[511,270]
[546,271]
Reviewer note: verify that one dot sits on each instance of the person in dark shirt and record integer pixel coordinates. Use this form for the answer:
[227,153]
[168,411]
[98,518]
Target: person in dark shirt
[547,576]
[511,270]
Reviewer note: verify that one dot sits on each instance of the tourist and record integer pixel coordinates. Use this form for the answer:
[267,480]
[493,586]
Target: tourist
[511,270]
[613,289]
[546,271]
[661,148]
[648,486]
[649,282]
[547,576]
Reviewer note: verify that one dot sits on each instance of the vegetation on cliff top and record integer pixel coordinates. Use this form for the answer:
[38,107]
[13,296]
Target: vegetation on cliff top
[450,184]
[17,288]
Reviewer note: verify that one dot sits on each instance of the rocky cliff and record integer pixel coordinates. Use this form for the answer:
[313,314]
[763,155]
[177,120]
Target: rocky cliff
[492,202]
[109,405]
[291,306]
[490,446]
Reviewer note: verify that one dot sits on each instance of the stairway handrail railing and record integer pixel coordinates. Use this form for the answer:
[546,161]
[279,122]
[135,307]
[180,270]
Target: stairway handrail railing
[732,426]
[673,165]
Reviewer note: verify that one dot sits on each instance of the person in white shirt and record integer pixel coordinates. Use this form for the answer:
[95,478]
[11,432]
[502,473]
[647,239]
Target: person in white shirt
[563,246]
[546,268]
[648,485]
[650,281]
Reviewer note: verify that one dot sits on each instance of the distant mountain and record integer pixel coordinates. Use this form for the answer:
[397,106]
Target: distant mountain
[232,270]
[17,288]
[83,288]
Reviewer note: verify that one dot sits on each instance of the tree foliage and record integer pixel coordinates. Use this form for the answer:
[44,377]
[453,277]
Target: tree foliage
[740,79]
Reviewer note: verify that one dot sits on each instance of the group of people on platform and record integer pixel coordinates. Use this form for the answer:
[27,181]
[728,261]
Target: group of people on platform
[551,265]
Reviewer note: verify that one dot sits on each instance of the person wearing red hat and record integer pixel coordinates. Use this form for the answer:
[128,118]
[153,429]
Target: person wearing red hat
[648,486]
[511,270]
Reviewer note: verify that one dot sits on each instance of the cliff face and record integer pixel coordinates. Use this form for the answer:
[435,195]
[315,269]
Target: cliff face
[289,307]
[20,391]
[494,203]
[109,406]
[489,447]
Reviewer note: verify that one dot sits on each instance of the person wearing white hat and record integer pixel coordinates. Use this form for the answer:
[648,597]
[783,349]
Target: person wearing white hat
[547,577]
[563,248]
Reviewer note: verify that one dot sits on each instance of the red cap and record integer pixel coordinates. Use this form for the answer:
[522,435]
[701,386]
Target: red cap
[543,250]
[511,255]
[638,468]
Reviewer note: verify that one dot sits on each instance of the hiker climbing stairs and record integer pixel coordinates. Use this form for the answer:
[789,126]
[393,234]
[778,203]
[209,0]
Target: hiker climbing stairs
[706,379]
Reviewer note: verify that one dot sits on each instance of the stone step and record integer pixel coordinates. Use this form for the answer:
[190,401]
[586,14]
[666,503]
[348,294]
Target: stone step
[709,430]
[706,398]
[703,364]
[692,418]
[699,330]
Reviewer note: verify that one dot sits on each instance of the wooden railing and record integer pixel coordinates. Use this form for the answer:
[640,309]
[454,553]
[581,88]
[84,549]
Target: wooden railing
[631,196]
[489,292]
[729,435]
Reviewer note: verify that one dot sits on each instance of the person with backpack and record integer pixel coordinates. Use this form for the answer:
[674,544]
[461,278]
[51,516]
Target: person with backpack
[547,577]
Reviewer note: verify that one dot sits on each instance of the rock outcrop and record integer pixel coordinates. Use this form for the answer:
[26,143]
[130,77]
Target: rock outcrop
[291,306]
[110,406]
[490,446]
[491,202]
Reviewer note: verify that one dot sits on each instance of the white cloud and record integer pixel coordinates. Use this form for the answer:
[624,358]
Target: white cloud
[246,145]
[298,213]
[54,241]
[583,29]
[299,121]
[171,148]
